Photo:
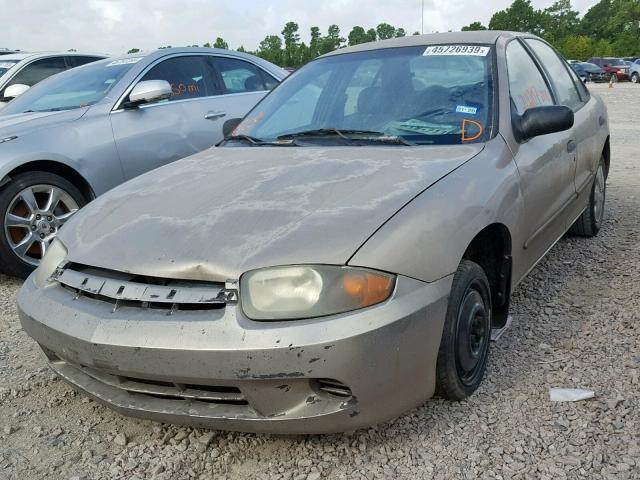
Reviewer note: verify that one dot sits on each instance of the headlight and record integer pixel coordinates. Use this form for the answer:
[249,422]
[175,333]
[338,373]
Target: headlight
[56,254]
[294,292]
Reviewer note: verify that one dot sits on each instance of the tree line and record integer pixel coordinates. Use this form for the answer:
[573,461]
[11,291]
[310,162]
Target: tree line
[609,28]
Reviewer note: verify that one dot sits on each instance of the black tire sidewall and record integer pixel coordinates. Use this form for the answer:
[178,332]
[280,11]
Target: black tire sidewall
[449,384]
[10,263]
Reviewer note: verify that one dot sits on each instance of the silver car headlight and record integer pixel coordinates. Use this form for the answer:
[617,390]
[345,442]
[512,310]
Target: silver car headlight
[55,255]
[308,291]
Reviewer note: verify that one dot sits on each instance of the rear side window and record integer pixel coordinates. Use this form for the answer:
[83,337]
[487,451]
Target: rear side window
[561,80]
[78,60]
[239,76]
[526,84]
[189,77]
[39,70]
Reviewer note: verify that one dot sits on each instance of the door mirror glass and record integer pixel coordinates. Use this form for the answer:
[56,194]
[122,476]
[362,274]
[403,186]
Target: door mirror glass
[148,91]
[15,90]
[544,120]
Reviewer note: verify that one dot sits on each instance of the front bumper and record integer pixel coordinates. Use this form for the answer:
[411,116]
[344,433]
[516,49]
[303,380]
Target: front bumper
[218,369]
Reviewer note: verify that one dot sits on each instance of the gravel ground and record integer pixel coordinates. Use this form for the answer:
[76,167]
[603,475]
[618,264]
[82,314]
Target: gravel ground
[575,325]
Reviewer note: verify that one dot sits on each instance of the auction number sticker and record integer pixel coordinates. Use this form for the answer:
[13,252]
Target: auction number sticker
[476,50]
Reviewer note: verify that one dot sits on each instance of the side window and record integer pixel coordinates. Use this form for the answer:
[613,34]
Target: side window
[526,84]
[239,76]
[78,60]
[562,82]
[189,77]
[39,70]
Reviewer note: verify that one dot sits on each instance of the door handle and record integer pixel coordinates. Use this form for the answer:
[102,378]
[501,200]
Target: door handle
[214,115]
[571,146]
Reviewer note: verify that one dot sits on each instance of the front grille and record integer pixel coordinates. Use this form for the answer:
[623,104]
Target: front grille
[333,387]
[217,394]
[121,289]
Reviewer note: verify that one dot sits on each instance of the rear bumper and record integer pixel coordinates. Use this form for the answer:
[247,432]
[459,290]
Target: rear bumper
[217,369]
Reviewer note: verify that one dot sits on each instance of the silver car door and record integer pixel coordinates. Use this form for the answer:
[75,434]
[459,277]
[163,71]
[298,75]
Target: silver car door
[153,135]
[243,84]
[545,163]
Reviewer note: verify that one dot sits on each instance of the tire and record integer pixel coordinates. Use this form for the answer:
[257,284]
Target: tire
[635,77]
[588,224]
[28,226]
[464,347]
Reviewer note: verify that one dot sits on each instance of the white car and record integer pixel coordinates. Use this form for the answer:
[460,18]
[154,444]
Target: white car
[20,71]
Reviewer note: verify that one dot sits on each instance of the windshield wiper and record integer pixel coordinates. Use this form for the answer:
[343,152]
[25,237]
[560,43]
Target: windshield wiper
[349,135]
[256,141]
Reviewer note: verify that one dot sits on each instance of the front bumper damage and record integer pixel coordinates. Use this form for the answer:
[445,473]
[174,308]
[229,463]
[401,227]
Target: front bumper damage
[215,368]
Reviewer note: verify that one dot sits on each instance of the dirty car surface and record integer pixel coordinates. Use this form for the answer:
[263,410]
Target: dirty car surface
[344,255]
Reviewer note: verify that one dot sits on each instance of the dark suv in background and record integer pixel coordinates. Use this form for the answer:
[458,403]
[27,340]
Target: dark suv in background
[617,68]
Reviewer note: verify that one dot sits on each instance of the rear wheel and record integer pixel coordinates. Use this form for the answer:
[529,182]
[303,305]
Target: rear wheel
[589,223]
[34,205]
[464,348]
[635,77]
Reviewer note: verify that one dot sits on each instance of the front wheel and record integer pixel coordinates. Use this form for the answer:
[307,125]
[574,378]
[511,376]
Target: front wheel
[635,77]
[589,223]
[34,205]
[464,347]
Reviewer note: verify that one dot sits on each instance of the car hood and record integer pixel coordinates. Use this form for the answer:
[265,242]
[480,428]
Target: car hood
[225,211]
[21,123]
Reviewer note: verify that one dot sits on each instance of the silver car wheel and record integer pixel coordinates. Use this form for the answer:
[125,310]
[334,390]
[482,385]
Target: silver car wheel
[598,196]
[33,219]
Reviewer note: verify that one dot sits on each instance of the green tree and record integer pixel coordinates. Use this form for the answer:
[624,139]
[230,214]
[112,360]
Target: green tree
[578,47]
[220,43]
[357,36]
[241,49]
[560,20]
[400,32]
[291,44]
[314,44]
[207,45]
[372,35]
[133,50]
[603,48]
[520,17]
[271,49]
[385,31]
[473,26]
[332,40]
[595,22]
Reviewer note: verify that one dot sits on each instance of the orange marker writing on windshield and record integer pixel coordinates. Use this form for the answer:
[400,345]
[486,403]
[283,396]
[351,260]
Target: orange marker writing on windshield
[465,125]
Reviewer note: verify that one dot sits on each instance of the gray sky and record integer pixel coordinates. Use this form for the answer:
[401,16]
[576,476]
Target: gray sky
[114,26]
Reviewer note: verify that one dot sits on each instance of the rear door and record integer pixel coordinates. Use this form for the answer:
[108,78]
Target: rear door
[243,84]
[153,135]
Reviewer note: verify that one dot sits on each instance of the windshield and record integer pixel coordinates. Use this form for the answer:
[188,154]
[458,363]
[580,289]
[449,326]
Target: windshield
[6,65]
[79,87]
[425,95]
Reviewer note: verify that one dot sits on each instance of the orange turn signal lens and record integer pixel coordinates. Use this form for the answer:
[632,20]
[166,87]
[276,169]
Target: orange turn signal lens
[367,288]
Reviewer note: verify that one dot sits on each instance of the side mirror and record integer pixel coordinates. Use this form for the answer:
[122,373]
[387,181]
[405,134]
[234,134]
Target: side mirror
[229,126]
[544,120]
[15,90]
[148,91]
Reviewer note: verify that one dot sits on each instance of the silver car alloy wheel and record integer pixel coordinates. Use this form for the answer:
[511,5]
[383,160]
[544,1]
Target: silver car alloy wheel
[598,196]
[33,219]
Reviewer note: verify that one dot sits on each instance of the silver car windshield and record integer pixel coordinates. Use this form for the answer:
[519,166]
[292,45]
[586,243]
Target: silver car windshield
[440,94]
[5,65]
[79,87]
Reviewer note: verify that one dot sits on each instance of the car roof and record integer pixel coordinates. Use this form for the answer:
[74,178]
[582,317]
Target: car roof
[24,56]
[479,37]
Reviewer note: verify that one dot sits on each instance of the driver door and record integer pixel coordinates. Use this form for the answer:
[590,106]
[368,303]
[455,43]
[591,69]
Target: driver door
[153,135]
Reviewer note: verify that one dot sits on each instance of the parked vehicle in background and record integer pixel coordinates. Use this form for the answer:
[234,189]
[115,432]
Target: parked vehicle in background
[617,69]
[6,51]
[590,72]
[346,252]
[82,132]
[635,71]
[20,71]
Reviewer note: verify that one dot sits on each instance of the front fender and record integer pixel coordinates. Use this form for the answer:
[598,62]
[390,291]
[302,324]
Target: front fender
[428,237]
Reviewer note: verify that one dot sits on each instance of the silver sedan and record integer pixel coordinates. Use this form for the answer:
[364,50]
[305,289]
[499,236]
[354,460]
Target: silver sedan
[345,255]
[77,134]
